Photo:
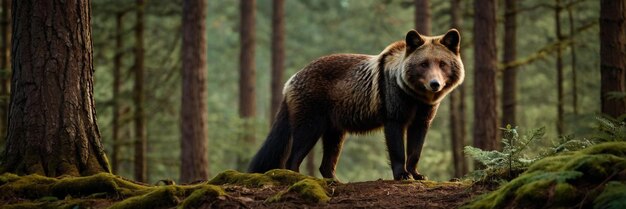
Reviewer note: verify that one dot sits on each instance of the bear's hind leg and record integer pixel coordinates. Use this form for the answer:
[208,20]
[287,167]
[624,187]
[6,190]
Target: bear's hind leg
[332,141]
[304,136]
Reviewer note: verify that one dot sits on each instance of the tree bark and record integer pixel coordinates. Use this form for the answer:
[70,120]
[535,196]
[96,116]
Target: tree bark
[52,117]
[422,16]
[278,55]
[560,124]
[457,108]
[247,71]
[117,83]
[194,157]
[485,67]
[509,78]
[141,141]
[5,66]
[612,54]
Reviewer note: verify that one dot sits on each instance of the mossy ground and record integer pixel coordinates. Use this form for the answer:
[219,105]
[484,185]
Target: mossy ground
[230,189]
[592,177]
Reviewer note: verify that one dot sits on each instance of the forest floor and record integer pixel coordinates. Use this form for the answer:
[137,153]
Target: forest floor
[370,194]
[243,191]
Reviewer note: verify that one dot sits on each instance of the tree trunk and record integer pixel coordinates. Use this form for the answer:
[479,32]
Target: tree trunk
[573,59]
[278,55]
[612,54]
[485,62]
[509,78]
[560,126]
[5,67]
[422,16]
[247,73]
[194,156]
[52,117]
[457,108]
[141,141]
[117,83]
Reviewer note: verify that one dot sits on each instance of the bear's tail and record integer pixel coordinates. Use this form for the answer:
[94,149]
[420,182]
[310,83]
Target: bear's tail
[276,148]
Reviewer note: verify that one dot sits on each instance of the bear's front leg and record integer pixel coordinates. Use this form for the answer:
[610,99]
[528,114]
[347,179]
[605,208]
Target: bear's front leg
[416,133]
[394,137]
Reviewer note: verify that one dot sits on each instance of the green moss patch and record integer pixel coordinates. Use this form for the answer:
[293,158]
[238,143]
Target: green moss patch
[199,196]
[243,179]
[162,197]
[34,191]
[563,181]
[307,189]
[269,178]
[35,186]
[613,196]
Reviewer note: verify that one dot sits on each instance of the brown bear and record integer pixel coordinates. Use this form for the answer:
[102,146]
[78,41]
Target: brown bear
[398,89]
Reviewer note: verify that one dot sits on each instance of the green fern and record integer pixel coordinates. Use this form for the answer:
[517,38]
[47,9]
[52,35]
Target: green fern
[610,129]
[509,162]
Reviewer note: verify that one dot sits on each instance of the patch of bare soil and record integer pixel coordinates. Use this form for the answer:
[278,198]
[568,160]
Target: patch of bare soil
[371,194]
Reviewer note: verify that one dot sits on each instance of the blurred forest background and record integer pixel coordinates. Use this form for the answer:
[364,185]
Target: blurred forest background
[314,28]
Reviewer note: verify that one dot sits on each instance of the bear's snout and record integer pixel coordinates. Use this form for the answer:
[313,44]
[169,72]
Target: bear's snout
[434,85]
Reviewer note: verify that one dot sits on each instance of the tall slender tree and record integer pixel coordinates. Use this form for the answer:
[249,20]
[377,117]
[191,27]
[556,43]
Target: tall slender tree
[278,55]
[52,117]
[141,141]
[560,124]
[572,35]
[485,66]
[612,54]
[457,107]
[194,114]
[247,71]
[5,66]
[422,16]
[117,84]
[509,78]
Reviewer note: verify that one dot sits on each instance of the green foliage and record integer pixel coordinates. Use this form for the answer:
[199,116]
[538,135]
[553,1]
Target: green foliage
[569,179]
[610,129]
[510,161]
[613,196]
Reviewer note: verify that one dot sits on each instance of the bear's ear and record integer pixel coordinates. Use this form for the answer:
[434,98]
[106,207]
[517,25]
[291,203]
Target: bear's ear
[452,40]
[413,40]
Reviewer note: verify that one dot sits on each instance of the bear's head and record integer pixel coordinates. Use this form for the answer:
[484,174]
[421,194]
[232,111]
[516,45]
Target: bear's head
[432,65]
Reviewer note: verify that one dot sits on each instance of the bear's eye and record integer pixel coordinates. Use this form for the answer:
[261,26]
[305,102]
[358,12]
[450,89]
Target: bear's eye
[424,64]
[442,64]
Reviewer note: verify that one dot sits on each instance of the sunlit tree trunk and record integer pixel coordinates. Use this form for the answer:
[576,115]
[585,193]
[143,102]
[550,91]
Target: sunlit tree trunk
[509,78]
[194,156]
[485,66]
[560,124]
[612,56]
[52,117]
[141,141]
[457,108]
